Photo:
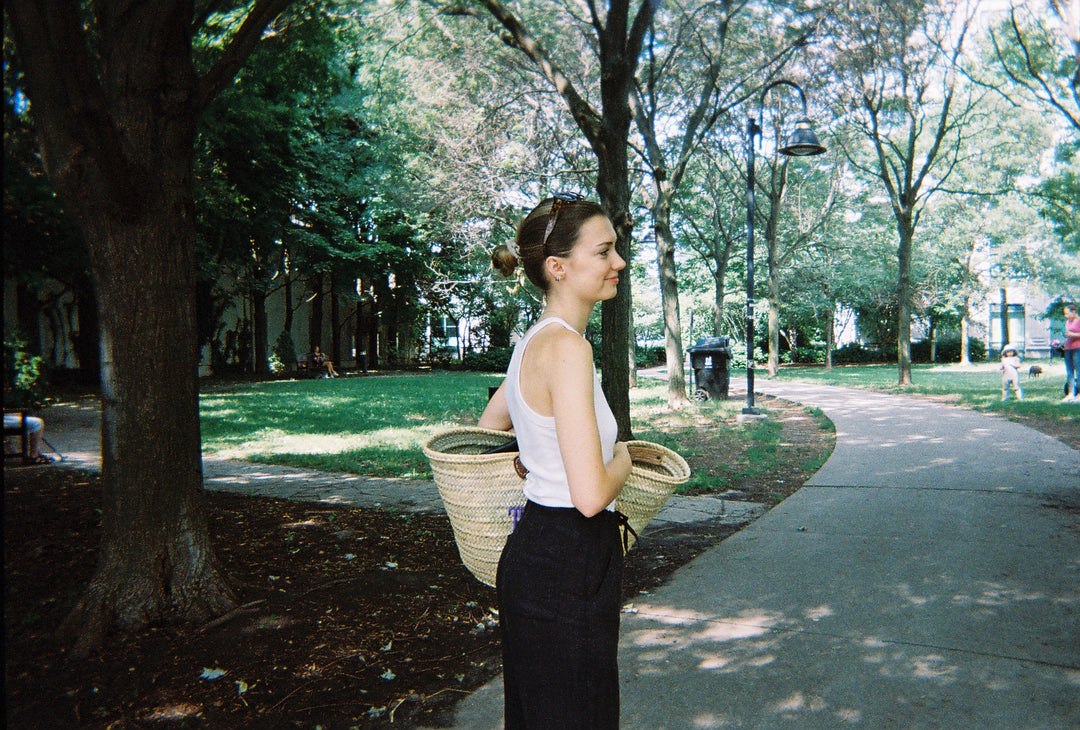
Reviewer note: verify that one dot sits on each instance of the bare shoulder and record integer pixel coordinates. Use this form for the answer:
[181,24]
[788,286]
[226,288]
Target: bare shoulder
[561,347]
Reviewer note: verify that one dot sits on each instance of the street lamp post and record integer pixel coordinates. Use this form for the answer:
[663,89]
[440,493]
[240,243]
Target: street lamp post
[803,143]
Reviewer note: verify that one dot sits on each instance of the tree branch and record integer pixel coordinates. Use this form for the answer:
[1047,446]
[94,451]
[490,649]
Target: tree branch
[238,50]
[583,113]
[62,84]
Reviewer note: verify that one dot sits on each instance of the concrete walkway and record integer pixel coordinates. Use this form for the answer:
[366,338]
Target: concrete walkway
[928,576]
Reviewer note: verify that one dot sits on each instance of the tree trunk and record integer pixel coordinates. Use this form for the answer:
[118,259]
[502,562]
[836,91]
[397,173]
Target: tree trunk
[315,317]
[965,350]
[286,326]
[116,99]
[933,340]
[719,275]
[774,320]
[830,336]
[88,343]
[903,299]
[335,323]
[260,336]
[156,562]
[359,333]
[775,194]
[669,293]
[619,40]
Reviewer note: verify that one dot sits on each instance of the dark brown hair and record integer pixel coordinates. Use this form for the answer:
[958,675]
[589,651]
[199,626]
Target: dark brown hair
[532,247]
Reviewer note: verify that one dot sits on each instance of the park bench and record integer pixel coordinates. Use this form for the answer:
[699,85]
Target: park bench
[23,432]
[305,368]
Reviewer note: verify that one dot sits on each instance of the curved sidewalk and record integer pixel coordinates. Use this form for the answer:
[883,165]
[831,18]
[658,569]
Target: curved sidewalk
[927,576]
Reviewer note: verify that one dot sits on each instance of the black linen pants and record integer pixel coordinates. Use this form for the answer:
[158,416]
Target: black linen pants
[559,587]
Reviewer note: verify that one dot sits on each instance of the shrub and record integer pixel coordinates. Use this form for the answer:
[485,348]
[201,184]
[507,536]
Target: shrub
[22,375]
[808,355]
[495,360]
[854,353]
[738,356]
[948,350]
[647,357]
[283,356]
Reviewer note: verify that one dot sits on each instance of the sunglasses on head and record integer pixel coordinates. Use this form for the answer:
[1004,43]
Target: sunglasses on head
[560,201]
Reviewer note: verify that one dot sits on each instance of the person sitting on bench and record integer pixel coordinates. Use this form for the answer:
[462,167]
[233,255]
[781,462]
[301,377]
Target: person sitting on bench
[318,359]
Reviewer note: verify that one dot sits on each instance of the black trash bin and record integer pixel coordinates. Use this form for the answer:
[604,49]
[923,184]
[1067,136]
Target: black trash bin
[710,359]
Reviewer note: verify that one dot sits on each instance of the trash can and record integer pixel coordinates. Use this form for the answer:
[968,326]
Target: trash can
[710,359]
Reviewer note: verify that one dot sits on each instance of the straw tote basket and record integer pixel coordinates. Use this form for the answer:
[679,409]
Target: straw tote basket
[483,496]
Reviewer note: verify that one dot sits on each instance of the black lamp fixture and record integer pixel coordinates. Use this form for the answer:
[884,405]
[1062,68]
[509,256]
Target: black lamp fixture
[803,143]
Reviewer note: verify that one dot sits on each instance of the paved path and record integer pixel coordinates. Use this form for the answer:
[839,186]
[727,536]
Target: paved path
[928,576]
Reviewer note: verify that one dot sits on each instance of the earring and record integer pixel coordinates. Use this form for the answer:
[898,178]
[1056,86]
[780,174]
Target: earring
[558,278]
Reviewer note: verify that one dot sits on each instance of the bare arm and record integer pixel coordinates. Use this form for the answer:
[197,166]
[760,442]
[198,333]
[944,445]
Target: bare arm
[496,415]
[593,484]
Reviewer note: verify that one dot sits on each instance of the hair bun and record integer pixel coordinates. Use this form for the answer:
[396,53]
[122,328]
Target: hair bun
[503,260]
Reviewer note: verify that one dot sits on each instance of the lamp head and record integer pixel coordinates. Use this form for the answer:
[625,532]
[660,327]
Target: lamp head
[803,141]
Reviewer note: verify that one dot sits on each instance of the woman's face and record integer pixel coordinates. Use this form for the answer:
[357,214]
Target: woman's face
[593,267]
[1070,313]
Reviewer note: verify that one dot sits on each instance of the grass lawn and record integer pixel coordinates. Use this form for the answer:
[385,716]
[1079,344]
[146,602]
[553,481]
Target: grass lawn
[374,425]
[975,386]
[365,425]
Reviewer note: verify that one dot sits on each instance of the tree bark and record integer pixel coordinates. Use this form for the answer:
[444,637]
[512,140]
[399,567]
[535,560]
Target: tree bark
[906,232]
[830,336]
[88,343]
[669,296]
[933,340]
[335,323]
[260,335]
[315,316]
[156,562]
[119,151]
[965,349]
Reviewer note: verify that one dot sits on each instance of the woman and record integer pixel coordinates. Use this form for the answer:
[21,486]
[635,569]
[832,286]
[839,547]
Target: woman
[560,576]
[1072,354]
[318,359]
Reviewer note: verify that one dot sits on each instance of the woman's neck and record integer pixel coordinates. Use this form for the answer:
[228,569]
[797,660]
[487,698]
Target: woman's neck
[577,316]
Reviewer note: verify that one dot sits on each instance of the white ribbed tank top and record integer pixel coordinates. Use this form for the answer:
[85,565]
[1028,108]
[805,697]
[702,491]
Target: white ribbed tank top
[546,483]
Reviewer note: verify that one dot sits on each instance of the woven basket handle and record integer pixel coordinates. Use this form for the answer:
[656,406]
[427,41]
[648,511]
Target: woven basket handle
[645,455]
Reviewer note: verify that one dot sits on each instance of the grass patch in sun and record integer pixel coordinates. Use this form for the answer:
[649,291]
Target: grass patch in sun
[976,386]
[374,426]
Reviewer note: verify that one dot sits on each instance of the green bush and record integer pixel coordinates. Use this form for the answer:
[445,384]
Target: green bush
[283,356]
[738,356]
[22,375]
[948,350]
[648,357]
[854,353]
[495,360]
[808,355]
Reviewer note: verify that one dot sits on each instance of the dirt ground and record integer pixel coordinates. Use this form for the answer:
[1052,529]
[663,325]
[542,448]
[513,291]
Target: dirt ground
[349,618]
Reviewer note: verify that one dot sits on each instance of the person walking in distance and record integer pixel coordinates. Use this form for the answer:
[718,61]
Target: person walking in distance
[1072,355]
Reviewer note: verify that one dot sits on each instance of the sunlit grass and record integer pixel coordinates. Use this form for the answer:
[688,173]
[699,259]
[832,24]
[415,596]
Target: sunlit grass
[375,425]
[368,425]
[975,386]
